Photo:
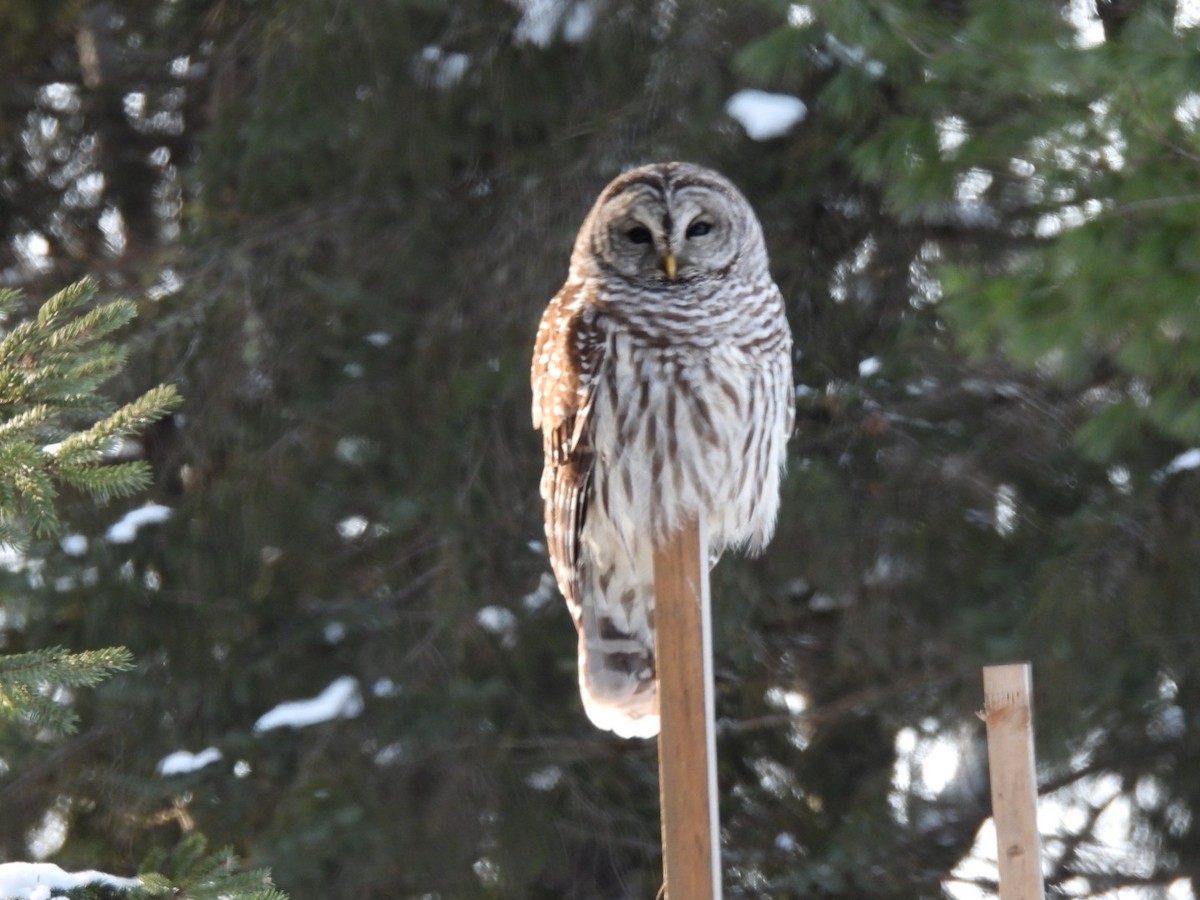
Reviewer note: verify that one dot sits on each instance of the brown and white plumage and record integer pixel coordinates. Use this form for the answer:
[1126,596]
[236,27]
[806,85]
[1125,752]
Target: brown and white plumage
[662,386]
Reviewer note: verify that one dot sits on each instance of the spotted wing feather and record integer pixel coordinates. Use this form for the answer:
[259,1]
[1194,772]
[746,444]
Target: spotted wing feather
[567,353]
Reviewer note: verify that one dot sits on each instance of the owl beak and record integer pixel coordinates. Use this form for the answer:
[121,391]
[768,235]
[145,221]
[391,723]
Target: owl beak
[670,266]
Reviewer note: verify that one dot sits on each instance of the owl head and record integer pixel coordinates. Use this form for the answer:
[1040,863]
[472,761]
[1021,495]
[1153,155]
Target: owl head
[670,222]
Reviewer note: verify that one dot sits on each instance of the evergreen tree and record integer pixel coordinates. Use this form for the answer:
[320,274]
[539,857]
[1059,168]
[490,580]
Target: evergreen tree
[57,429]
[51,367]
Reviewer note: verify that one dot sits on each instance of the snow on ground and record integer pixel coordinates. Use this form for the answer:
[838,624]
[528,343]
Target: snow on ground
[341,700]
[41,881]
[764,115]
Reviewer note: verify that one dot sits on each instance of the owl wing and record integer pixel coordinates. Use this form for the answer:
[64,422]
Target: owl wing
[566,357]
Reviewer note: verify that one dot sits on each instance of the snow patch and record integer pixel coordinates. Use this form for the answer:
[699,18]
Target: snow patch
[1082,16]
[1187,111]
[441,70]
[74,544]
[385,687]
[546,778]
[542,20]
[1187,15]
[378,339]
[126,528]
[764,115]
[1188,459]
[352,450]
[341,700]
[181,761]
[352,527]
[499,621]
[578,24]
[800,15]
[546,590]
[37,881]
[854,55]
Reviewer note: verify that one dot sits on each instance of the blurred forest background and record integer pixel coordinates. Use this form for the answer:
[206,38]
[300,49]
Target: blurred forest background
[341,221]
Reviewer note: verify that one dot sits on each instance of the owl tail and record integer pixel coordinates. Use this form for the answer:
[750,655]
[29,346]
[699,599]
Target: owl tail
[616,663]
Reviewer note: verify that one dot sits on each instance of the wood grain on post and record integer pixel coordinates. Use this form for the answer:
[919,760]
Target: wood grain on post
[687,759]
[1008,711]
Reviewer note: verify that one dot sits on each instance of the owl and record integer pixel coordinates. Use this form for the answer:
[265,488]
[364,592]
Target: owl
[662,384]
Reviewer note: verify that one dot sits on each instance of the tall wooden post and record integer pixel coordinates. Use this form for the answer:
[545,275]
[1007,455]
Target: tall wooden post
[687,756]
[1008,711]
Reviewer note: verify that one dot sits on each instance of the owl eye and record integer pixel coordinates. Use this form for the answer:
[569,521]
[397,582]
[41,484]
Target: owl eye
[698,229]
[638,235]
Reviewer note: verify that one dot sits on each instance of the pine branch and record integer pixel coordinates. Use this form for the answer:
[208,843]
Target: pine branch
[93,325]
[51,367]
[108,482]
[70,297]
[28,682]
[26,425]
[84,669]
[130,419]
[192,873]
[54,430]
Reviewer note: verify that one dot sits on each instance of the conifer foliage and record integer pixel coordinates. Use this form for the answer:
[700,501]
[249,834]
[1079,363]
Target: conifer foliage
[58,430]
[198,874]
[25,677]
[51,367]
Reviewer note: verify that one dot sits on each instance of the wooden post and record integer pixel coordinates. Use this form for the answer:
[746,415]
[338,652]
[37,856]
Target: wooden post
[1008,711]
[687,757]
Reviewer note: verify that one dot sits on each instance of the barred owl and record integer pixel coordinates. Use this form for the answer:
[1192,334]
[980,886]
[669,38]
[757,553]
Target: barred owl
[662,383]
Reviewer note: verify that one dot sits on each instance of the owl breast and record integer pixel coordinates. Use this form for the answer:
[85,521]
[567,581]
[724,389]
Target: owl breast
[691,417]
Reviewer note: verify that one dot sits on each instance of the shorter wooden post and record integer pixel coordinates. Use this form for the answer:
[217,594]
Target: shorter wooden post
[1008,711]
[687,757]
